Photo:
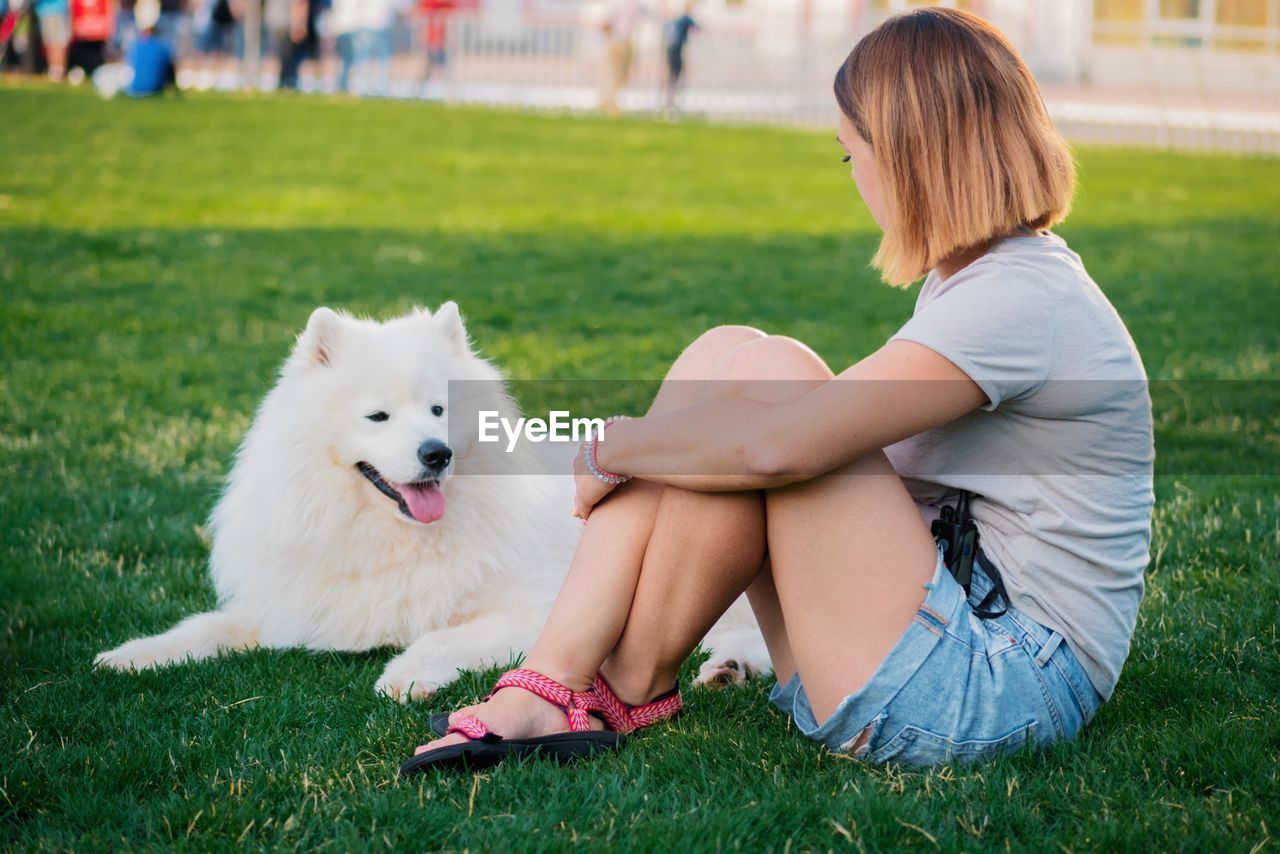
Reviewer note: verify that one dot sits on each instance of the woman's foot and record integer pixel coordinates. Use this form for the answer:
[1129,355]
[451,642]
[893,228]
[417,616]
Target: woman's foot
[513,713]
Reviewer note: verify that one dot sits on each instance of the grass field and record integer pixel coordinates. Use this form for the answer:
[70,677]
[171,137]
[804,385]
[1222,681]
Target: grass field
[156,260]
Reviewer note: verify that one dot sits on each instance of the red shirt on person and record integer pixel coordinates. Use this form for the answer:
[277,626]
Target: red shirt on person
[91,20]
[434,34]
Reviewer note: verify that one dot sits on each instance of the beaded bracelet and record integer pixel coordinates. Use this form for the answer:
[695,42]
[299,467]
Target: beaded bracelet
[593,465]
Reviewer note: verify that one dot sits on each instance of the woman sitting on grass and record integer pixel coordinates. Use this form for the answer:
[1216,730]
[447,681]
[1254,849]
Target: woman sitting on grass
[1014,381]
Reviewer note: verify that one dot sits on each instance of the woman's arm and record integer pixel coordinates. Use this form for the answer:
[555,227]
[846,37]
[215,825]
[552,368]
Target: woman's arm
[735,444]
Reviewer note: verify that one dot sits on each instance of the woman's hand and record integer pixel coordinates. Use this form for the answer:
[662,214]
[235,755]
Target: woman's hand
[588,490]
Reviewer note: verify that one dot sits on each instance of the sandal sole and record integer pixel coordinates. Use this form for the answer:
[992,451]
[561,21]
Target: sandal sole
[561,747]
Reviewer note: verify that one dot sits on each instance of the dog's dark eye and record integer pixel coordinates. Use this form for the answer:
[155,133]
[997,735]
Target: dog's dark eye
[378,416]
[846,158]
[437,410]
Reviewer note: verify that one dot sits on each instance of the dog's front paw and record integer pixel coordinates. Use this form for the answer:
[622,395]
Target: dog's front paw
[406,680]
[722,671]
[734,660]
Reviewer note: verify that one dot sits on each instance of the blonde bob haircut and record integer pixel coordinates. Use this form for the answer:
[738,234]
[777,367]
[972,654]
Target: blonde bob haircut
[965,149]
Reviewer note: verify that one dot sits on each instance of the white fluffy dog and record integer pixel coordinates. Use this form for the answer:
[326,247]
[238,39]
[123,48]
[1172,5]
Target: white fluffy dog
[354,518]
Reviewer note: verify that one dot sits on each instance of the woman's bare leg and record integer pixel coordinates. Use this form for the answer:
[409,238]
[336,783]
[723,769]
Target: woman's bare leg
[849,555]
[705,550]
[675,607]
[619,545]
[592,609]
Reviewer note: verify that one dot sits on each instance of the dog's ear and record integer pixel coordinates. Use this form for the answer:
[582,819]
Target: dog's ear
[450,323]
[317,343]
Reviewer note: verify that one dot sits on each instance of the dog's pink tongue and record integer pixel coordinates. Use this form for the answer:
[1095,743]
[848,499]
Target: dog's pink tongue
[425,501]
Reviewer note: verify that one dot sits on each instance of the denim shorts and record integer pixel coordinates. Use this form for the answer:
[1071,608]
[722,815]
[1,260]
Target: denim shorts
[957,688]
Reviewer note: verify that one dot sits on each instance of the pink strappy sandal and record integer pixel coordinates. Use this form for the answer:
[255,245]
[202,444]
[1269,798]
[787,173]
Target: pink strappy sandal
[625,719]
[617,715]
[484,748]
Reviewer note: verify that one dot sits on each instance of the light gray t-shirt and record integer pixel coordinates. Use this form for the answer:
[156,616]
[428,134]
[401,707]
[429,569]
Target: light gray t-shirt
[1062,454]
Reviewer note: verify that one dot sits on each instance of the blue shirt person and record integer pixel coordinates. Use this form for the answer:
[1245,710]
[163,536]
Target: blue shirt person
[152,64]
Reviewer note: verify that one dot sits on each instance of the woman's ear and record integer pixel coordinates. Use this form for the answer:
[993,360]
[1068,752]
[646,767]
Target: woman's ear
[318,342]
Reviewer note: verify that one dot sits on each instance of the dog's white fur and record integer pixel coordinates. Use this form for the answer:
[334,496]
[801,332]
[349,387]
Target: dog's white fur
[308,553]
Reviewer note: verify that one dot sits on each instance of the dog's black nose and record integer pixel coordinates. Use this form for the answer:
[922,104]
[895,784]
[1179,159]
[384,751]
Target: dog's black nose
[435,454]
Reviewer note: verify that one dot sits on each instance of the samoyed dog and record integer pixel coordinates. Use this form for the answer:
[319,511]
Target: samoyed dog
[353,518]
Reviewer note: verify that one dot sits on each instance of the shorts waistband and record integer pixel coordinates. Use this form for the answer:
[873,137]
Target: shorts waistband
[1013,619]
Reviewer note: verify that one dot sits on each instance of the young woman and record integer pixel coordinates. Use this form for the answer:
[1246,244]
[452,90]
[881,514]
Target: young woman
[1015,381]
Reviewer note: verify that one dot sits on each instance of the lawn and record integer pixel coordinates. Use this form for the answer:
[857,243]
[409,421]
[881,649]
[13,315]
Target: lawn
[156,260]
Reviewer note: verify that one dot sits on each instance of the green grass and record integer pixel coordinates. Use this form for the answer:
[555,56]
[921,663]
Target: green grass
[156,260]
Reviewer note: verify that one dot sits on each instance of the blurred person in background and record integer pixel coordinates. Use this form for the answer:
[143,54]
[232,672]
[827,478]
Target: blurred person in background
[344,23]
[125,31]
[174,26]
[379,18]
[217,35]
[20,45]
[55,32]
[150,59]
[677,38]
[277,16]
[294,24]
[619,25]
[435,34]
[91,26]
[363,37]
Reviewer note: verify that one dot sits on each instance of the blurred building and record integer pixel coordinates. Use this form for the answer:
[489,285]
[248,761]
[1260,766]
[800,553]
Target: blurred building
[1223,46]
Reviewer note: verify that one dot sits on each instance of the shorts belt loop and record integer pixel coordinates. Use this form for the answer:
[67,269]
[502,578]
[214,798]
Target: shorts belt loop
[1049,648]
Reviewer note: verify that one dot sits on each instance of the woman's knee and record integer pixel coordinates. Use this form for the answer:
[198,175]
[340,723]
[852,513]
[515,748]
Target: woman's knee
[775,357]
[700,358]
[686,382]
